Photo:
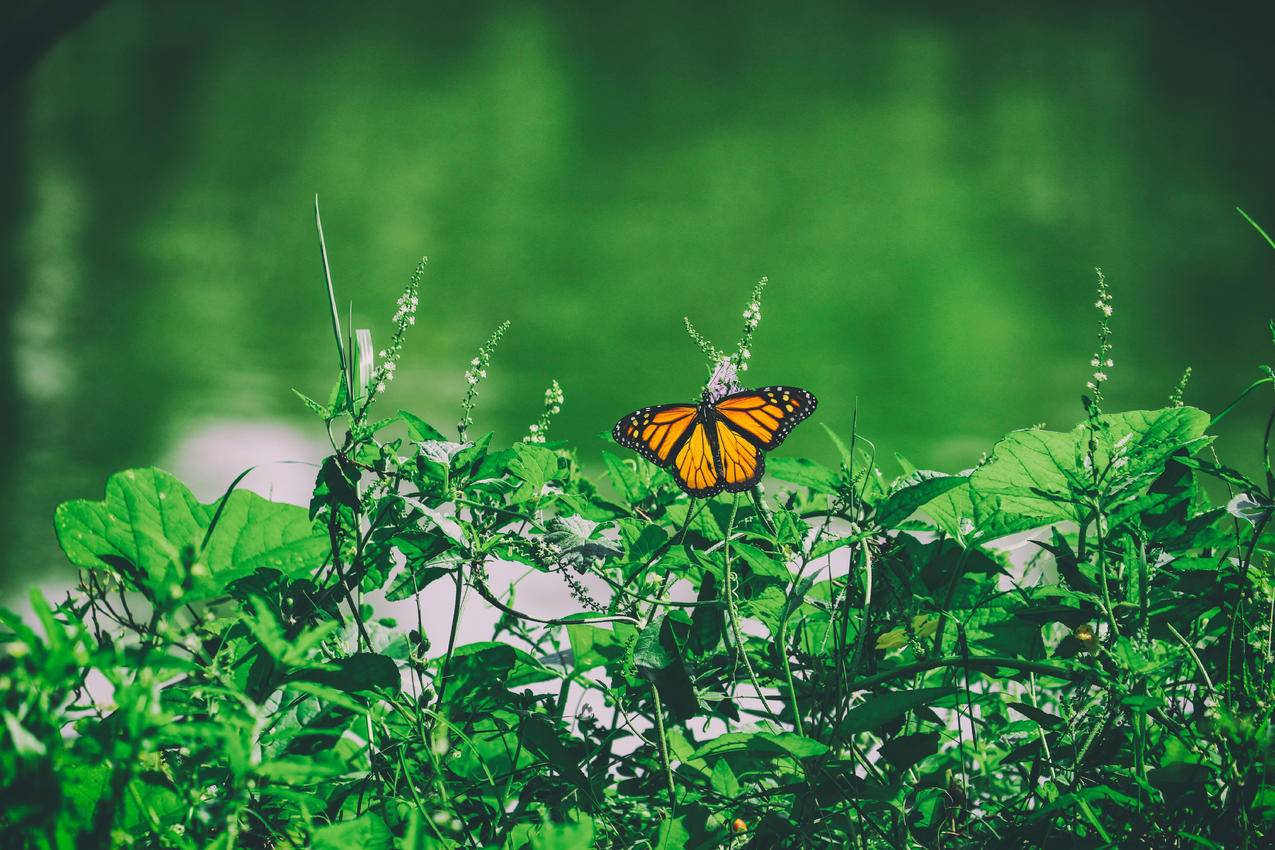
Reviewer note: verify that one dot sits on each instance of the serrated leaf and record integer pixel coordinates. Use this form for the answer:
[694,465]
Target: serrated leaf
[148,517]
[1034,475]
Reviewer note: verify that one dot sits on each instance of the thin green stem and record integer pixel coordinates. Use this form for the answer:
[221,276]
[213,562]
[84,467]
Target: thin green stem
[728,582]
[663,742]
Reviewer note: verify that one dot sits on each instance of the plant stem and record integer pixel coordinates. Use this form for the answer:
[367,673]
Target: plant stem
[732,612]
[451,637]
[663,741]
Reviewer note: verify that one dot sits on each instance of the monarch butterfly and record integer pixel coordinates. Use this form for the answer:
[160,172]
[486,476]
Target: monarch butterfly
[716,445]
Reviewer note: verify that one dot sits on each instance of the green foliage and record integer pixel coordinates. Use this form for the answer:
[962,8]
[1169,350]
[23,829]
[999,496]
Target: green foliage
[866,662]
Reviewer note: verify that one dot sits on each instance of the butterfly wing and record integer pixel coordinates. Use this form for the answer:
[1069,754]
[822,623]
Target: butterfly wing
[654,432]
[741,462]
[695,463]
[765,416]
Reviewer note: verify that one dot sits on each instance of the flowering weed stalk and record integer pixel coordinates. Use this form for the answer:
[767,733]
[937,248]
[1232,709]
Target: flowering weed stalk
[475,375]
[404,317]
[538,430]
[1101,360]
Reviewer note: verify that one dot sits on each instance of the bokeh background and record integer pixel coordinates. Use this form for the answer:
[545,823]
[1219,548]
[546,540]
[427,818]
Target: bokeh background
[928,189]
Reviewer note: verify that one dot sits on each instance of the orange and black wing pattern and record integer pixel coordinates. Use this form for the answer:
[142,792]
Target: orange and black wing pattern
[674,436]
[653,432]
[719,447]
[765,416]
[695,464]
[740,461]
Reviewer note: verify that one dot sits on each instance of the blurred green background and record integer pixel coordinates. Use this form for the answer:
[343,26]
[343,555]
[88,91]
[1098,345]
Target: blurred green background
[928,191]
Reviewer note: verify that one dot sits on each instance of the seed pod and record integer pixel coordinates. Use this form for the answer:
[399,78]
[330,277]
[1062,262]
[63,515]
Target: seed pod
[738,825]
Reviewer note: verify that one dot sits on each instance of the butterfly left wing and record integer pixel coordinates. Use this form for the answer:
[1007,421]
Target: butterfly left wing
[654,432]
[765,416]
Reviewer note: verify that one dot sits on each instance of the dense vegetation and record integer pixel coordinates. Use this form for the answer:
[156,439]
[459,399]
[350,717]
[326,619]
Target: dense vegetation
[866,662]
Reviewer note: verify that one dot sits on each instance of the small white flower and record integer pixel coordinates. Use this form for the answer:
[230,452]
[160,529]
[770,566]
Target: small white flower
[1106,309]
[1110,363]
[535,427]
[1100,376]
[475,362]
[380,388]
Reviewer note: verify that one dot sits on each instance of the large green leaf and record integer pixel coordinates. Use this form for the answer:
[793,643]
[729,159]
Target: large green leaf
[361,671]
[902,503]
[803,471]
[366,832]
[760,744]
[878,709]
[564,836]
[149,517]
[1034,475]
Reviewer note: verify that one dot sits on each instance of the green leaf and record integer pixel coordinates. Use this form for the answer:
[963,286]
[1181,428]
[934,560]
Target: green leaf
[880,708]
[564,836]
[338,398]
[623,478]
[658,657]
[149,517]
[906,750]
[905,501]
[420,430]
[1042,718]
[477,665]
[593,646]
[1035,475]
[761,563]
[362,671]
[673,835]
[760,744]
[805,472]
[23,742]
[324,413]
[536,466]
[366,832]
[303,770]
[1030,476]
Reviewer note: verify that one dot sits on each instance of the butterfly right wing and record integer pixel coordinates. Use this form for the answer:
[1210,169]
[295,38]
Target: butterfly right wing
[654,432]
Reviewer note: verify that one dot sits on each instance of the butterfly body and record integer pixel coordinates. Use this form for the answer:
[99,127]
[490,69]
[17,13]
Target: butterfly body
[718,444]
